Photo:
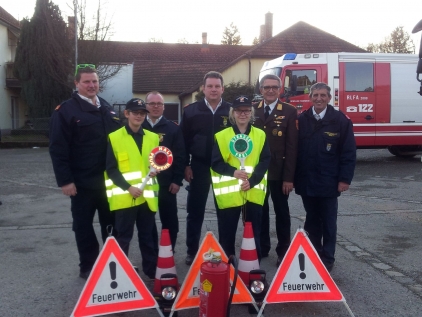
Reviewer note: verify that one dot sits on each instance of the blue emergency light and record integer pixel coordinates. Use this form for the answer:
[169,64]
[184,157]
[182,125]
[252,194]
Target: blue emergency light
[289,56]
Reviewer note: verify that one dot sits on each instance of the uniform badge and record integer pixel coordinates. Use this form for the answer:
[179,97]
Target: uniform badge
[260,105]
[331,134]
[57,108]
[280,117]
[328,147]
[280,133]
[115,118]
[225,120]
[279,107]
[161,136]
[275,132]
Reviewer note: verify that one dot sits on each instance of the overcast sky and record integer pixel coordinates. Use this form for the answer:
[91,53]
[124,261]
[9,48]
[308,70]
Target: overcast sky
[358,22]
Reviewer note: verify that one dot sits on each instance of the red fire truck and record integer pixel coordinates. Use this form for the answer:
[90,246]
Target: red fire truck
[377,91]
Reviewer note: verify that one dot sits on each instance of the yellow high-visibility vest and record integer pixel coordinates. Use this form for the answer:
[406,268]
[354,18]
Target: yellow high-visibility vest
[134,168]
[227,190]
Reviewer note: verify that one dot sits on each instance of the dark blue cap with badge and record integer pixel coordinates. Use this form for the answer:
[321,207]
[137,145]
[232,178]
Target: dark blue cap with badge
[241,101]
[136,104]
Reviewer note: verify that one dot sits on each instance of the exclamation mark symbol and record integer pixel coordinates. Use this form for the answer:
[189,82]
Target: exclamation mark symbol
[301,265]
[112,266]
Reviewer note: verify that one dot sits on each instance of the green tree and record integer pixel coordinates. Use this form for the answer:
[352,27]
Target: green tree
[232,90]
[231,36]
[255,41]
[398,41]
[43,60]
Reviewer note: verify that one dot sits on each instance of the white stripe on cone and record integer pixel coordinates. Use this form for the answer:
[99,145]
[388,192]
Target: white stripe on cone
[248,244]
[165,251]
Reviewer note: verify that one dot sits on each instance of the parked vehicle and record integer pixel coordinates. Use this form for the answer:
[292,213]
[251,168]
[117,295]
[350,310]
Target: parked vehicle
[377,91]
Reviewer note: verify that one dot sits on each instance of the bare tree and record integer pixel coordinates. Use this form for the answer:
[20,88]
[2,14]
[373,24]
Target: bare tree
[231,36]
[92,34]
[398,41]
[155,40]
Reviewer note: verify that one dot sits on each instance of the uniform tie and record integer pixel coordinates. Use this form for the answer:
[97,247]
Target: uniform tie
[267,112]
[317,117]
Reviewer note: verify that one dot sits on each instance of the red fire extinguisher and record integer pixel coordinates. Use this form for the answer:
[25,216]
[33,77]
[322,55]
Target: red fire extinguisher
[215,294]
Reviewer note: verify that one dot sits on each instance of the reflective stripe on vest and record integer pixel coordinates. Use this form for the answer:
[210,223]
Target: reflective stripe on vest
[227,189]
[134,168]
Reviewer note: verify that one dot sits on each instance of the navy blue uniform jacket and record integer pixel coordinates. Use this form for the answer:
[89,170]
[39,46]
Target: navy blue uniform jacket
[326,155]
[171,137]
[199,126]
[78,142]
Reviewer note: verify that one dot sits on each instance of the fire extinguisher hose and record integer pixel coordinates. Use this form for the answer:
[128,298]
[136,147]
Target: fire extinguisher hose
[232,260]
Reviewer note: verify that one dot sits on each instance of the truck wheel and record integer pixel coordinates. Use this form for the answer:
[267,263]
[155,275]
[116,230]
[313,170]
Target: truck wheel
[405,150]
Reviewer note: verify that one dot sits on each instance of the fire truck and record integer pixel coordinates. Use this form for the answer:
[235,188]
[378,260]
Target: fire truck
[378,92]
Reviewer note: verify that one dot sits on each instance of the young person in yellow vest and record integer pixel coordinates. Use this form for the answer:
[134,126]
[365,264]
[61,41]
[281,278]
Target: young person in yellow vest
[127,166]
[236,190]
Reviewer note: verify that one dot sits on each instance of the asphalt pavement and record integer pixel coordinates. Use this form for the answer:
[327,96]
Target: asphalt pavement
[378,259]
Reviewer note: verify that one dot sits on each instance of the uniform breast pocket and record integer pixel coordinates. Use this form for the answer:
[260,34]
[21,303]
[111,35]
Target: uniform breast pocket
[89,129]
[123,161]
[330,143]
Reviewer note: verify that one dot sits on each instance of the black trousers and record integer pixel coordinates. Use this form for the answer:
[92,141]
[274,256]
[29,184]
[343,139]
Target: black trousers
[196,202]
[228,220]
[282,219]
[145,223]
[321,225]
[167,206]
[83,207]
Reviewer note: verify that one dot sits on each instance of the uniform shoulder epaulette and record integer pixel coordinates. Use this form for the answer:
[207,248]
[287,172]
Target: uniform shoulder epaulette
[187,105]
[57,108]
[176,123]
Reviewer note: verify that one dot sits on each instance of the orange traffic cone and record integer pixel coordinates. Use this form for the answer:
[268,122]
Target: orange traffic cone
[165,262]
[248,259]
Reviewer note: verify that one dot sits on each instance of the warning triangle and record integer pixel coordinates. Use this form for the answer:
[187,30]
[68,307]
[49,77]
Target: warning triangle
[302,277]
[188,296]
[113,285]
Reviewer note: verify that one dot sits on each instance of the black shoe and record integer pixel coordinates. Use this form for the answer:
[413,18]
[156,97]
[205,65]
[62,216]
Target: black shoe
[189,259]
[329,266]
[85,274]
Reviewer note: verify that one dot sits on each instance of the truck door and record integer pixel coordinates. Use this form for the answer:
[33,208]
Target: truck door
[357,99]
[296,82]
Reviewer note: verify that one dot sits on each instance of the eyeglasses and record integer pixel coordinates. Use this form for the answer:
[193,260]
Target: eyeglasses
[84,66]
[242,111]
[139,113]
[268,88]
[155,104]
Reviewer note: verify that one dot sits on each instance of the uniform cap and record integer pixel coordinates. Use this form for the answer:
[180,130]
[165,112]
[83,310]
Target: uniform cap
[241,101]
[135,104]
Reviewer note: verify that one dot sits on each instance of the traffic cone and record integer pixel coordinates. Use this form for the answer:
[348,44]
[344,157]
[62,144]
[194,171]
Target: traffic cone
[248,259]
[165,262]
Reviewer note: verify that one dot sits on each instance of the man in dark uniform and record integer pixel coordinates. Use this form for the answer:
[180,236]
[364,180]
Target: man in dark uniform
[278,120]
[325,168]
[200,121]
[78,143]
[169,180]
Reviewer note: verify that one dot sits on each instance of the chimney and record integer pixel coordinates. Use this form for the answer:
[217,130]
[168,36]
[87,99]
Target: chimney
[268,25]
[204,48]
[71,27]
[262,33]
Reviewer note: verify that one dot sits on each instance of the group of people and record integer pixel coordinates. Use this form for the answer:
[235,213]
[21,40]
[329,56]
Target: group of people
[100,164]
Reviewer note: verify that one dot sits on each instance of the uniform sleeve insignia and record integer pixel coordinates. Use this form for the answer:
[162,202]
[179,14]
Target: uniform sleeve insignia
[57,108]
[331,134]
[279,106]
